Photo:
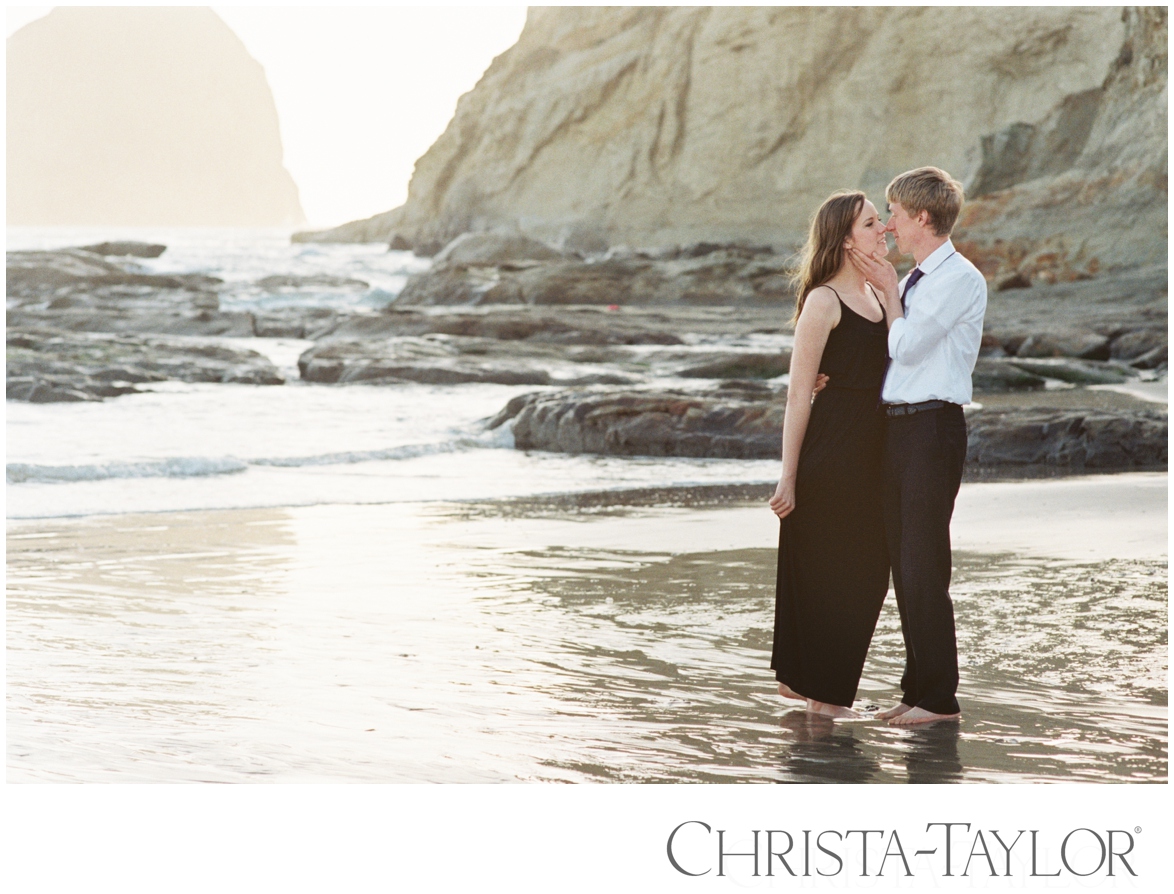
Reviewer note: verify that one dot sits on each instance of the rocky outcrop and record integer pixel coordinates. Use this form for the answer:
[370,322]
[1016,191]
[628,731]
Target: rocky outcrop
[657,126]
[647,424]
[126,249]
[997,375]
[439,360]
[278,282]
[1075,372]
[135,116]
[1069,440]
[747,424]
[74,289]
[721,276]
[45,366]
[1082,187]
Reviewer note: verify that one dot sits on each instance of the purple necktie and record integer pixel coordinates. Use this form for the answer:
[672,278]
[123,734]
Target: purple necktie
[917,274]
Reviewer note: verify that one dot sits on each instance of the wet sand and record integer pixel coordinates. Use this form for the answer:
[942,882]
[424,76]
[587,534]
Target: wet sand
[506,641]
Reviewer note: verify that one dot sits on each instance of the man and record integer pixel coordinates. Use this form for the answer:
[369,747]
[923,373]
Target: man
[935,327]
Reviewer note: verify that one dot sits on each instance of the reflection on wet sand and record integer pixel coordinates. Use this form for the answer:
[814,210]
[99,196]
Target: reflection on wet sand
[401,643]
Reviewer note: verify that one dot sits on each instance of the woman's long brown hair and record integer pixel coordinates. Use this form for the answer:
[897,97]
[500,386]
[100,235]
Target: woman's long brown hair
[823,255]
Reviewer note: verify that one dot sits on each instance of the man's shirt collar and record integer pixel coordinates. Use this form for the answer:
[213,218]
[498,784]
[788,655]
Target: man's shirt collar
[939,254]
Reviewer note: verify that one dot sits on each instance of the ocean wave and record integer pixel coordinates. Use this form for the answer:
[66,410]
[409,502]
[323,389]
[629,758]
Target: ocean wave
[176,467]
[198,467]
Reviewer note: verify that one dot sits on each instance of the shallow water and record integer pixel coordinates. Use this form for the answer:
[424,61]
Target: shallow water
[448,643]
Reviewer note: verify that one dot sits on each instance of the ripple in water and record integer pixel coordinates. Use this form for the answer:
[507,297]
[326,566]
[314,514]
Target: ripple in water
[387,644]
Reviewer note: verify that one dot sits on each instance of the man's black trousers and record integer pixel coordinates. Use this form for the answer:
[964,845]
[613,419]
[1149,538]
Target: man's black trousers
[924,456]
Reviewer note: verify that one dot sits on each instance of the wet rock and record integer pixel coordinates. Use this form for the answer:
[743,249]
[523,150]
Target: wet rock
[126,249]
[77,290]
[398,243]
[171,317]
[724,276]
[1131,345]
[744,424]
[1155,359]
[998,375]
[571,328]
[742,366]
[1086,345]
[290,282]
[39,275]
[1074,440]
[991,346]
[52,365]
[1016,280]
[427,360]
[491,249]
[647,424]
[1076,372]
[270,326]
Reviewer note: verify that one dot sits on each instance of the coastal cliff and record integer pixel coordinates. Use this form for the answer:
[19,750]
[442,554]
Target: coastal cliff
[650,127]
[141,117]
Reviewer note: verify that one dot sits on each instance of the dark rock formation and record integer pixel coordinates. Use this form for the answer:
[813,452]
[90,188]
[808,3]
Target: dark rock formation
[50,365]
[647,424]
[283,281]
[741,366]
[493,249]
[126,249]
[719,277]
[33,276]
[1088,345]
[438,360]
[1129,346]
[135,116]
[746,424]
[999,375]
[1075,372]
[1072,440]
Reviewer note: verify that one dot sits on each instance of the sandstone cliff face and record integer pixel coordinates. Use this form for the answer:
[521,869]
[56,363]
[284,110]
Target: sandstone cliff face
[658,126]
[1085,188]
[141,116]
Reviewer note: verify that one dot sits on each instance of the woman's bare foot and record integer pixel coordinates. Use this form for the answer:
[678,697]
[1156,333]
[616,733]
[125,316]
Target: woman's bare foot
[915,716]
[896,711]
[836,712]
[787,692]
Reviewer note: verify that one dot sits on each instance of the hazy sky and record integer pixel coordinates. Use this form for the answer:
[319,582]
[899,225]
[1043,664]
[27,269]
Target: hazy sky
[361,91]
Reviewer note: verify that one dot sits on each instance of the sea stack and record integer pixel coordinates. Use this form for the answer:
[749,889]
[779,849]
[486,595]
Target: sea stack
[141,116]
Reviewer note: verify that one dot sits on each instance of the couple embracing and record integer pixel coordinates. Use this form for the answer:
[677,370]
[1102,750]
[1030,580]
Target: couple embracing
[872,464]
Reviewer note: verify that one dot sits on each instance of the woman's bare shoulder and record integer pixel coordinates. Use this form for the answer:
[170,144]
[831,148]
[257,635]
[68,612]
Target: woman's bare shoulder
[822,303]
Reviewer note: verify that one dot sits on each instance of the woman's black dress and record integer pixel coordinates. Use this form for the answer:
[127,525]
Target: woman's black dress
[833,563]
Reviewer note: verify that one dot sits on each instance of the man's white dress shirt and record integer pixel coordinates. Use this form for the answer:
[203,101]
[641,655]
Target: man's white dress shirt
[934,346]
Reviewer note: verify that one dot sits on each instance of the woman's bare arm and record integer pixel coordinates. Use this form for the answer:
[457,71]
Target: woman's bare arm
[821,314]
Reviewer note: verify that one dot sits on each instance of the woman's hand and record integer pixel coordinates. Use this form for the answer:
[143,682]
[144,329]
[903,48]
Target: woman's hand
[782,503]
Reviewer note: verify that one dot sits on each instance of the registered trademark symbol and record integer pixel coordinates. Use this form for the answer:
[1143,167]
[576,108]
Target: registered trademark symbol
[1137,828]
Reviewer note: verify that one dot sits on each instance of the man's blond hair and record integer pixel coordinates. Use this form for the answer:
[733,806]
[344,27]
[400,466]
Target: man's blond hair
[928,189]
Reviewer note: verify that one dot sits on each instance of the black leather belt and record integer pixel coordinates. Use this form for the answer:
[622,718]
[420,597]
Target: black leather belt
[910,409]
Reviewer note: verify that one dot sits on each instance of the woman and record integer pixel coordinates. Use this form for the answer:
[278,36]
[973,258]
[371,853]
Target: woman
[833,566]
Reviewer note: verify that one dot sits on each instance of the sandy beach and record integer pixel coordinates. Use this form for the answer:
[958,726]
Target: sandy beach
[508,641]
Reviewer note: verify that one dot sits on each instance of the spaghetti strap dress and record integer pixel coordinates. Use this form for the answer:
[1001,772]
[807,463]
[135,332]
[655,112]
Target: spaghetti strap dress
[833,570]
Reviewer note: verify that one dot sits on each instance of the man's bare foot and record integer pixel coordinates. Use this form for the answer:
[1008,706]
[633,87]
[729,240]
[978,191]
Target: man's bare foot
[914,716]
[836,712]
[896,711]
[787,692]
